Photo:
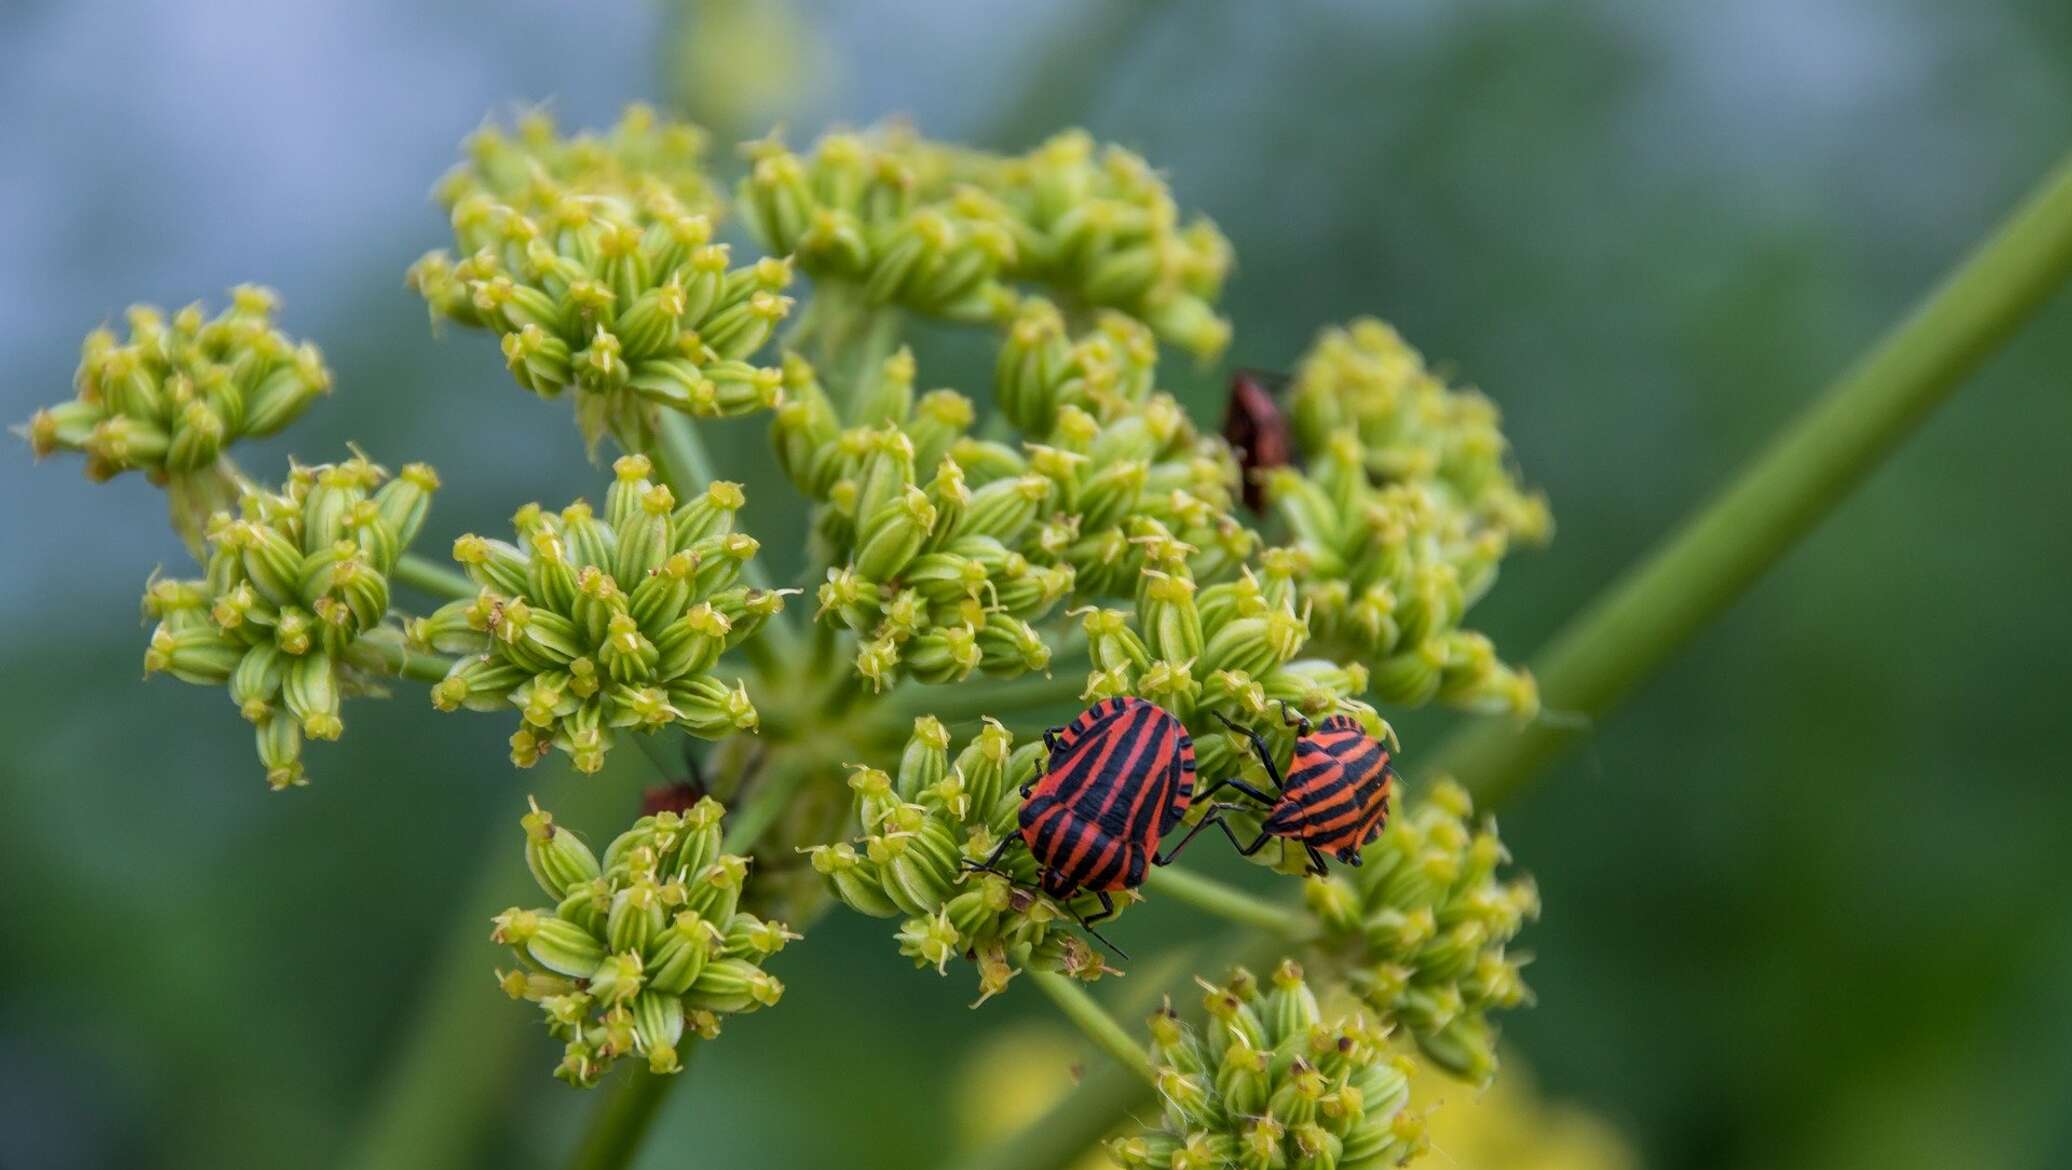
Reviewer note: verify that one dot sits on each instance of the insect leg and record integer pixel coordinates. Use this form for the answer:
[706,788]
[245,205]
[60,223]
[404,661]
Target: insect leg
[1316,862]
[1258,748]
[1294,719]
[1107,909]
[992,864]
[1241,786]
[1086,922]
[1255,846]
[1215,818]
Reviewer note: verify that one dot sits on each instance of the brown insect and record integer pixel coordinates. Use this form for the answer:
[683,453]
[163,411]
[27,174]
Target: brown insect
[1256,429]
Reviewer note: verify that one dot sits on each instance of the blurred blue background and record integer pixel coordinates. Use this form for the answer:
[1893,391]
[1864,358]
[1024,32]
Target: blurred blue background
[1806,895]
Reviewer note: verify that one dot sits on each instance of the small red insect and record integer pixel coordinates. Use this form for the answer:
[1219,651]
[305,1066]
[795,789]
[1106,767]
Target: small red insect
[1256,429]
[676,796]
[1334,799]
[1119,777]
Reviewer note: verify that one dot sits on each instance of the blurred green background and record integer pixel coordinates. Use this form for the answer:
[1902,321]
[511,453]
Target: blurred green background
[1806,896]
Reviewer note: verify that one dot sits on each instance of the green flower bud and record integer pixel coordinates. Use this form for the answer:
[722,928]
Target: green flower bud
[1011,646]
[930,942]
[557,858]
[733,986]
[888,538]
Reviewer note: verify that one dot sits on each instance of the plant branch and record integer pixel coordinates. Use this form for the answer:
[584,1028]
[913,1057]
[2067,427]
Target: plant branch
[396,659]
[429,577]
[622,1119]
[1094,1020]
[1711,560]
[1230,903]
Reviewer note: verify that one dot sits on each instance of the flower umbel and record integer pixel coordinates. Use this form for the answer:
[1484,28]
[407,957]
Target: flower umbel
[594,261]
[173,396]
[641,945]
[1421,929]
[945,230]
[1399,522]
[290,615]
[591,624]
[921,826]
[1267,1081]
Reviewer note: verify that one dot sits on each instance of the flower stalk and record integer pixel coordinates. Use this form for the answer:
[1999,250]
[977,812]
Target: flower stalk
[1071,998]
[431,578]
[1643,619]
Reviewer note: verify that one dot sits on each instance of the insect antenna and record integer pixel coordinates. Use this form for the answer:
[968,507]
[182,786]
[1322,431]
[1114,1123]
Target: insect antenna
[1103,939]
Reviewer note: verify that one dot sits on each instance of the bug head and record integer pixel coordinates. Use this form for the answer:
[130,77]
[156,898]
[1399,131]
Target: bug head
[1057,885]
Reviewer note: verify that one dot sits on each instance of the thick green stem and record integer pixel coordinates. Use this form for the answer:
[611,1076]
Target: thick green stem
[1092,1019]
[986,697]
[1229,902]
[394,658]
[430,577]
[623,1118]
[1709,562]
[766,800]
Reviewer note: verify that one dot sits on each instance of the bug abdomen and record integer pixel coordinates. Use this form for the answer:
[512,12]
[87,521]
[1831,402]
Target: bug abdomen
[1336,794]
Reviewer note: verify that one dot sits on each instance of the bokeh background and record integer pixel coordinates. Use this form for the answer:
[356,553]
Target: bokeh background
[1806,894]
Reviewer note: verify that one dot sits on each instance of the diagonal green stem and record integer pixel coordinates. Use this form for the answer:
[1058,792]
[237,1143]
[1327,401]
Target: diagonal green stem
[428,576]
[1090,1018]
[1647,616]
[1229,902]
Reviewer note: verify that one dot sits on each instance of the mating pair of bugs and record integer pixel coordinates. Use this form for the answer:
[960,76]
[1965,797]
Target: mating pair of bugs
[1121,776]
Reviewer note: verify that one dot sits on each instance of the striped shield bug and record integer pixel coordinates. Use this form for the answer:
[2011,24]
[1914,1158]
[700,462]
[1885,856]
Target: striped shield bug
[1119,777]
[1334,798]
[1256,429]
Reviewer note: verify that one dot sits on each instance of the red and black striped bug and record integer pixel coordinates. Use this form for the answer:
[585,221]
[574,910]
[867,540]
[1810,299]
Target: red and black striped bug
[1334,798]
[1119,777]
[1256,429]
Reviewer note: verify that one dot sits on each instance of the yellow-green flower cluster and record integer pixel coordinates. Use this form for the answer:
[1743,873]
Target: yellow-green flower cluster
[1267,1083]
[601,274]
[1422,927]
[1413,428]
[534,168]
[177,392]
[921,825]
[945,231]
[949,548]
[588,625]
[289,615]
[638,946]
[1233,648]
[1400,519]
